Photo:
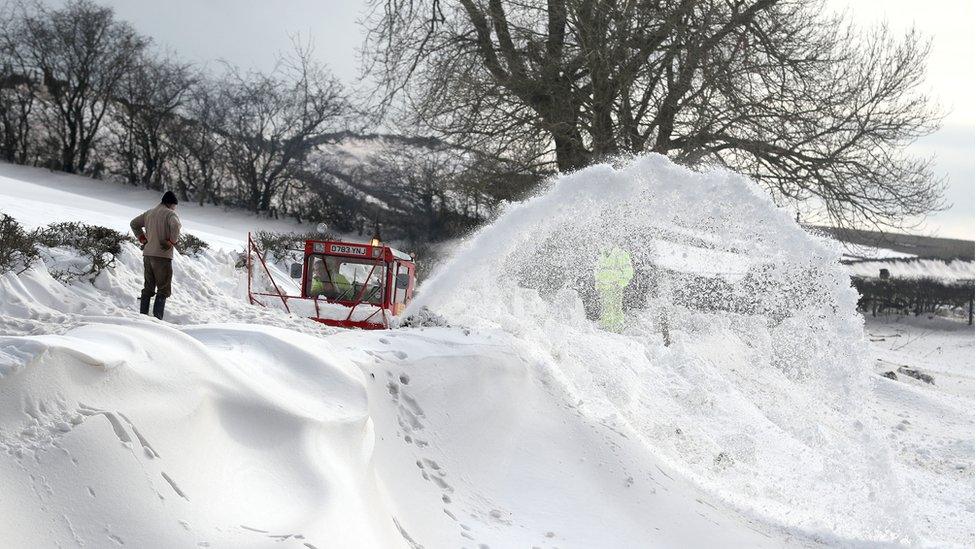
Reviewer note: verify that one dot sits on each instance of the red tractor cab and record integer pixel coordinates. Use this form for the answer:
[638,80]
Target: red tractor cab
[344,284]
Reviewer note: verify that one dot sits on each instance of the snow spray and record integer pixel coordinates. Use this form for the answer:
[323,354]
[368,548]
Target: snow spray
[739,360]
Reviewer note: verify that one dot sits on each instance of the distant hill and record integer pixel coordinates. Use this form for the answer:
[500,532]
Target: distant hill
[926,247]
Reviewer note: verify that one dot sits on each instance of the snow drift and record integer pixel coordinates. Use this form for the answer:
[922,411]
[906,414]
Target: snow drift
[128,432]
[134,433]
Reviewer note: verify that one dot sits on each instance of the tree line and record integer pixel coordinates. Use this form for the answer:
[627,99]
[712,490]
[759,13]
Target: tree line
[83,92]
[508,91]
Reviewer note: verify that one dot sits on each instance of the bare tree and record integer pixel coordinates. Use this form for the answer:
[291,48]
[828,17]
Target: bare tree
[18,90]
[421,182]
[780,89]
[147,102]
[433,190]
[272,121]
[81,52]
[17,95]
[197,148]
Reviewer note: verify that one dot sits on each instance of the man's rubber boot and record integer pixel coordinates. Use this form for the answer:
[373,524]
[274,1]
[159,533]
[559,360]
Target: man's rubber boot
[158,307]
[144,305]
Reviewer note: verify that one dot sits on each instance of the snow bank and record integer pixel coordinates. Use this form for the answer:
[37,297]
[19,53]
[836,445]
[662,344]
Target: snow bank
[130,432]
[758,397]
[138,434]
[208,288]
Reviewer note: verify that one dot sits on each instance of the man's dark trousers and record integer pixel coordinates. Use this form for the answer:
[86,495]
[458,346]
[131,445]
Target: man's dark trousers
[158,273]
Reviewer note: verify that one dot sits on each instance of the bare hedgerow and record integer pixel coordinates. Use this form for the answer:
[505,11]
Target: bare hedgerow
[191,245]
[101,246]
[18,248]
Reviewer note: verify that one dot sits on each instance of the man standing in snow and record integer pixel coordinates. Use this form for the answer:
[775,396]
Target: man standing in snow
[158,230]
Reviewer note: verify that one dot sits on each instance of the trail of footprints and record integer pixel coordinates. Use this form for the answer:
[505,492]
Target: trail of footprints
[409,417]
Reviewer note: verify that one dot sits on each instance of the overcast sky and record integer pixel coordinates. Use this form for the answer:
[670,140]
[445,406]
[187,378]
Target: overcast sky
[251,33]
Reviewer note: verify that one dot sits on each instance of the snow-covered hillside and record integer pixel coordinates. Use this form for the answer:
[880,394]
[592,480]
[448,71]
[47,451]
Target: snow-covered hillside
[521,424]
[37,197]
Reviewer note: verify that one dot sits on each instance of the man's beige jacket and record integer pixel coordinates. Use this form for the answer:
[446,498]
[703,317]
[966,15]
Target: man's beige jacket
[161,228]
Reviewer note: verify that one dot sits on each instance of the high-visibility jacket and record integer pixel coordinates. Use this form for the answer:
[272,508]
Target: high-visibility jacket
[343,289]
[614,270]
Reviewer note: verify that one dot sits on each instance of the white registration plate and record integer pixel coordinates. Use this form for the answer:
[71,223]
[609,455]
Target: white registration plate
[348,250]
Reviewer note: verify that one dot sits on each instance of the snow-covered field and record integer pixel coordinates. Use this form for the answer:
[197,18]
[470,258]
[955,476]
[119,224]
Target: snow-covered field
[522,424]
[951,271]
[929,424]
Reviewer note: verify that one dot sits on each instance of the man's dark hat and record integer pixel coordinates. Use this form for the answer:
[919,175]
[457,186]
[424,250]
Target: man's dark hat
[169,198]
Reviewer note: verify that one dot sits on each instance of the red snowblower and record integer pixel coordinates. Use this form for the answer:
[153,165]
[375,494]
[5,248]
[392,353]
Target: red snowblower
[344,284]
